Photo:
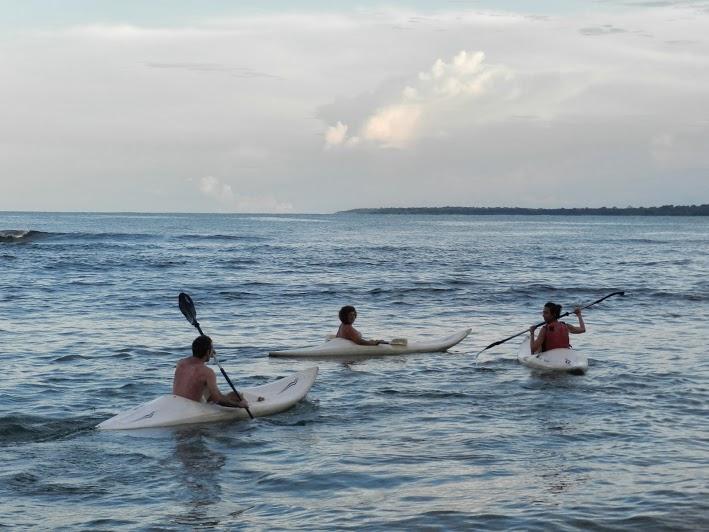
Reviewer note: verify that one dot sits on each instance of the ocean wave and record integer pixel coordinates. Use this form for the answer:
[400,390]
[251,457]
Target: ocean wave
[286,219]
[222,237]
[14,236]
[675,262]
[412,290]
[17,428]
[547,290]
[30,235]
[69,358]
[702,295]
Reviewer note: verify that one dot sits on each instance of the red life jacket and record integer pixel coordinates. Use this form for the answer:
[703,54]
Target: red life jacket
[556,336]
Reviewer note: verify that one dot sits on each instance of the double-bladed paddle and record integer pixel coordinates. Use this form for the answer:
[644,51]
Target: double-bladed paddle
[542,323]
[187,308]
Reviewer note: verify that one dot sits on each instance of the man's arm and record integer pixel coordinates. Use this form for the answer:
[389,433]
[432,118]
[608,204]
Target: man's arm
[573,329]
[218,397]
[536,345]
[354,335]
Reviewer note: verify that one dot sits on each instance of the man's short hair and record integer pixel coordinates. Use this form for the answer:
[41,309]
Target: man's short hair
[202,346]
[345,311]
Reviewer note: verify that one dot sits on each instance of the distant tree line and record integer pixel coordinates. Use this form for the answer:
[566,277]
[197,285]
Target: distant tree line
[664,210]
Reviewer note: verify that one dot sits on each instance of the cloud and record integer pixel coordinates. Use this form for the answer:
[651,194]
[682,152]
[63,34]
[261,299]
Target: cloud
[211,187]
[214,189]
[241,72]
[440,92]
[335,135]
[393,126]
[606,29]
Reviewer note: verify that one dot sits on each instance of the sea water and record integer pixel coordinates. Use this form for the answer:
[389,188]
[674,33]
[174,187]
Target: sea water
[90,327]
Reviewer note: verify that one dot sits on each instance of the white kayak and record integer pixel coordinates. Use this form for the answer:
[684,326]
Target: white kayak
[170,410]
[339,347]
[568,360]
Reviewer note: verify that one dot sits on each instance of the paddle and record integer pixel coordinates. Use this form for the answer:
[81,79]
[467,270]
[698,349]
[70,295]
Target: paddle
[402,342]
[542,323]
[187,308]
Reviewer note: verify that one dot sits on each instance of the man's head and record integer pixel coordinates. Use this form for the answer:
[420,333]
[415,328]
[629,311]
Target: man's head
[348,314]
[202,347]
[551,312]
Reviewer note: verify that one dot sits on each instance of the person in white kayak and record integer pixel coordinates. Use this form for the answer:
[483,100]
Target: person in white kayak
[348,314]
[194,380]
[554,334]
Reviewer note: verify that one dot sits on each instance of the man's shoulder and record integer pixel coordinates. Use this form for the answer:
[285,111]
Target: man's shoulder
[206,370]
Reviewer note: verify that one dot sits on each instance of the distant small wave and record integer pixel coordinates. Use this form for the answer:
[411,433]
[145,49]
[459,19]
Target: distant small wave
[539,289]
[69,358]
[239,262]
[680,295]
[677,262]
[286,219]
[411,290]
[643,241]
[222,237]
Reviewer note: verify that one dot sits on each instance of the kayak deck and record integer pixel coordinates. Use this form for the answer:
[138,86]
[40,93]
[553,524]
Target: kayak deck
[171,410]
[340,347]
[568,360]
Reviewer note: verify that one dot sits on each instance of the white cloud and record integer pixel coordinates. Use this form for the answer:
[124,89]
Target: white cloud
[445,89]
[335,135]
[211,187]
[214,189]
[393,126]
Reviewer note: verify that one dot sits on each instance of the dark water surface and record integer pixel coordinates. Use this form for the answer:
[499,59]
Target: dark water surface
[435,441]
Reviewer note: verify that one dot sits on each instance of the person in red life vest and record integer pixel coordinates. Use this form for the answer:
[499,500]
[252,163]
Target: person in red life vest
[348,315]
[554,333]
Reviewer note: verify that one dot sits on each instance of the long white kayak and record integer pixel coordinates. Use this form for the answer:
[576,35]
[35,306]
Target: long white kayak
[568,360]
[339,347]
[170,410]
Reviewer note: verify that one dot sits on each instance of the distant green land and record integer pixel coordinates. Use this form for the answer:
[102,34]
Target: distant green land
[664,210]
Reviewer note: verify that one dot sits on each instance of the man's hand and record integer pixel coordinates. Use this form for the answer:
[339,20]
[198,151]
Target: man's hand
[242,404]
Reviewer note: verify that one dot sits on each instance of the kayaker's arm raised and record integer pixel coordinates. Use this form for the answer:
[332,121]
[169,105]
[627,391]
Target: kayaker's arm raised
[581,326]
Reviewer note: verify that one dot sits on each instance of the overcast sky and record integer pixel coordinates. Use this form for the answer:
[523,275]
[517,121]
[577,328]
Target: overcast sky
[229,106]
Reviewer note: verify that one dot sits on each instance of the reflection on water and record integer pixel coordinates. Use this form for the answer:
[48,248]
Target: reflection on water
[199,481]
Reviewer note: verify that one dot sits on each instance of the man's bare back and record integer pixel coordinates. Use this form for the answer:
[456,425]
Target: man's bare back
[191,379]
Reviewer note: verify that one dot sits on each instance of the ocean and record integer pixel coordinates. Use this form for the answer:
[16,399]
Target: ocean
[446,441]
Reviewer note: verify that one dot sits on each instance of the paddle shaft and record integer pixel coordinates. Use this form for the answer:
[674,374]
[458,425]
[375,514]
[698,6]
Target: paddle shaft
[543,322]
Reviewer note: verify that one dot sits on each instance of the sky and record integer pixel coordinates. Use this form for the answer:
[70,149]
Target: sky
[315,107]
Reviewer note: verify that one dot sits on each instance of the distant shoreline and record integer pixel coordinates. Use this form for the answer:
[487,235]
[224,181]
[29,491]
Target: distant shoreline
[664,210]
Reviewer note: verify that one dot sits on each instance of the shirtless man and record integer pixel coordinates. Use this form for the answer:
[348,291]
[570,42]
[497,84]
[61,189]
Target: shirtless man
[194,380]
[348,315]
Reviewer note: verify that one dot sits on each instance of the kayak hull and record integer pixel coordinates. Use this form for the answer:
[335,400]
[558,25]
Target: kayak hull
[339,347]
[171,410]
[568,360]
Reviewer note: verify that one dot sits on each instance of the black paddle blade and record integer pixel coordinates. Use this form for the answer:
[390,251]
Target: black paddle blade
[187,308]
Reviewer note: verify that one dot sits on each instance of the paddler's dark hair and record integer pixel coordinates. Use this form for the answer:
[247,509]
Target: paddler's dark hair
[554,309]
[201,346]
[345,311]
